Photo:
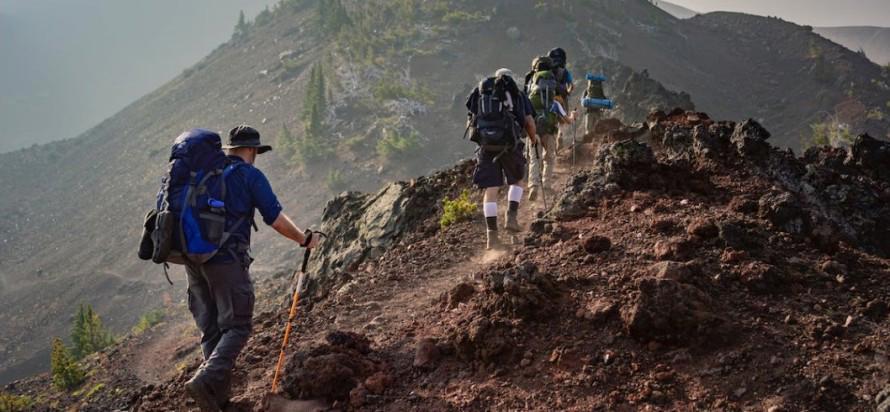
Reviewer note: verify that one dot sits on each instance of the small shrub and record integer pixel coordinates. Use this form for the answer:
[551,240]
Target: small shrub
[94,391]
[335,181]
[460,16]
[457,210]
[831,133]
[876,114]
[148,320]
[312,149]
[391,88]
[394,144]
[15,403]
[66,372]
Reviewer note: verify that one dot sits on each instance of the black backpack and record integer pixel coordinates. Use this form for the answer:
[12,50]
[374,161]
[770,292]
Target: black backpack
[494,127]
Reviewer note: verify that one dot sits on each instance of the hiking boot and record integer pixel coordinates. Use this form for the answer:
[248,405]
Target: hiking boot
[512,224]
[198,391]
[493,242]
[533,194]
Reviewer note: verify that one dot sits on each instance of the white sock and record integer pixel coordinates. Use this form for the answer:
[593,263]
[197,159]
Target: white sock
[490,209]
[514,194]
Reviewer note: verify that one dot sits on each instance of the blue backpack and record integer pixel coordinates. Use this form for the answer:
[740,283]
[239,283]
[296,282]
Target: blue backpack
[189,219]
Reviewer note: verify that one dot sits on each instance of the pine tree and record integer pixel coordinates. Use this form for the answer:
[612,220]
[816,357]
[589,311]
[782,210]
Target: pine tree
[241,27]
[287,143]
[315,102]
[66,373]
[263,18]
[320,94]
[332,15]
[88,335]
[79,333]
[313,124]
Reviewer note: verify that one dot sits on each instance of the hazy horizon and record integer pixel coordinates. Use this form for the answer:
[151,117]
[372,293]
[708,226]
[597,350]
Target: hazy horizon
[819,13]
[69,74]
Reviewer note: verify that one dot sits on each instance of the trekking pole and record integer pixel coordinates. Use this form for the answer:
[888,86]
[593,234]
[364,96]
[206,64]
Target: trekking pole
[541,175]
[293,312]
[574,136]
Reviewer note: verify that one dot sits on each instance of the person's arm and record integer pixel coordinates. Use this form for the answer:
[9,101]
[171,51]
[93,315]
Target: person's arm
[266,202]
[531,129]
[286,227]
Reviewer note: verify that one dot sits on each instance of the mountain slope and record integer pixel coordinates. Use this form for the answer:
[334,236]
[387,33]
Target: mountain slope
[397,76]
[701,270]
[874,41]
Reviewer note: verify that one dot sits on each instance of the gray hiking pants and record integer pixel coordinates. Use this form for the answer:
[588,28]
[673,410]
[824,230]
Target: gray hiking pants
[221,300]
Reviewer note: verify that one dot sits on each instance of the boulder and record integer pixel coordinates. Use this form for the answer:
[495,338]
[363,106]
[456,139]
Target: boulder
[784,212]
[597,311]
[680,272]
[673,249]
[594,244]
[749,138]
[763,278]
[668,311]
[872,156]
[426,352]
[703,228]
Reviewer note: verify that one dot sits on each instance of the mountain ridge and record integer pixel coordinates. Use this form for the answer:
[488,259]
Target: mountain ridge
[76,214]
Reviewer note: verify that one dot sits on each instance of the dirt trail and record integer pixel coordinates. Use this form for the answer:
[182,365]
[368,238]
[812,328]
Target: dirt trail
[387,308]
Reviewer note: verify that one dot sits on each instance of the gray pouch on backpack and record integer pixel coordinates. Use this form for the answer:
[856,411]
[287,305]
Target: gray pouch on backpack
[146,243]
[162,236]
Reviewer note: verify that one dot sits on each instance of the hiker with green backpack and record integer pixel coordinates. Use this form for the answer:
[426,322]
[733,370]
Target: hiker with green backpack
[202,219]
[544,92]
[498,111]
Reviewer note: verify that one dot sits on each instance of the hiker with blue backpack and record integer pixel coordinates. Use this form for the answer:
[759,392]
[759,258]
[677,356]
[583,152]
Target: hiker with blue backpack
[203,218]
[594,101]
[498,112]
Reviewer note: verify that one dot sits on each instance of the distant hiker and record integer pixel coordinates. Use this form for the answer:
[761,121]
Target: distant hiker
[564,91]
[204,216]
[498,111]
[544,94]
[563,75]
[594,101]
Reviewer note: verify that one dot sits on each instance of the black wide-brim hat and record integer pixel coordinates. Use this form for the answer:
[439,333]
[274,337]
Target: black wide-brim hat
[246,136]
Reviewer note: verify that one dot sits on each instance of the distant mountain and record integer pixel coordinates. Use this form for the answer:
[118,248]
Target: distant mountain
[675,10]
[874,41]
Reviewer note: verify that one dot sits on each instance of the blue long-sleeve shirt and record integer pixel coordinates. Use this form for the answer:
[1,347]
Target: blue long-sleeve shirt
[247,191]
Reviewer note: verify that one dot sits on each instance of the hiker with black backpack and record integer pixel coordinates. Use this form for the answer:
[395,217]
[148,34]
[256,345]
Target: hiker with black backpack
[498,111]
[203,218]
[544,94]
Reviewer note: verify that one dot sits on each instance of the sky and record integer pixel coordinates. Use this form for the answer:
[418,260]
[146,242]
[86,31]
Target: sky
[67,65]
[818,13]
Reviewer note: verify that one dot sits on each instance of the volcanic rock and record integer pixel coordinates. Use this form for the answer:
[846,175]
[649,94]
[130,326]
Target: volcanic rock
[668,311]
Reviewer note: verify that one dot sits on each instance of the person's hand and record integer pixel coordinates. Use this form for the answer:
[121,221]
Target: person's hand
[311,240]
